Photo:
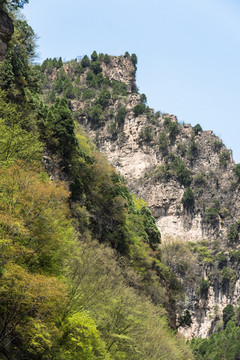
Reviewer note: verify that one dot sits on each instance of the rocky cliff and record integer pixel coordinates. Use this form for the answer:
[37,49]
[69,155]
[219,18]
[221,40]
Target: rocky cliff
[186,176]
[6,31]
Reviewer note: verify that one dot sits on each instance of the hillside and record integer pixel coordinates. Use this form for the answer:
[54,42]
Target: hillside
[81,275]
[119,226]
[186,176]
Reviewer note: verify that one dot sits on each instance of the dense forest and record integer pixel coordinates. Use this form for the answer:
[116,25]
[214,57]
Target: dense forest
[82,271]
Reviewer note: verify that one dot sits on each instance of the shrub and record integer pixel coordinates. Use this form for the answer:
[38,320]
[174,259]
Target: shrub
[96,114]
[103,98]
[228,313]
[163,142]
[217,145]
[143,99]
[184,175]
[185,320]
[222,260]
[233,233]
[146,133]
[200,180]
[224,157]
[85,62]
[106,59]
[134,60]
[94,56]
[139,109]
[87,94]
[173,129]
[121,114]
[192,150]
[237,171]
[58,85]
[204,286]
[119,88]
[197,128]
[188,198]
[96,67]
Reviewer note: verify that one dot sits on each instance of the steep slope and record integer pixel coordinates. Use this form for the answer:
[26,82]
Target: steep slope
[186,176]
[6,31]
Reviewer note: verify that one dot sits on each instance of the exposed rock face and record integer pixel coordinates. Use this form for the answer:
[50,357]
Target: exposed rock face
[160,159]
[6,31]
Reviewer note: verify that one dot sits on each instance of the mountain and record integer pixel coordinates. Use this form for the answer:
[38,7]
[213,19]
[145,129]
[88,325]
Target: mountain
[186,176]
[81,274]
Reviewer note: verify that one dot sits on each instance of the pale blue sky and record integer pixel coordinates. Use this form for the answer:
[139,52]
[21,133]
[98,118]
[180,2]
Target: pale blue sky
[188,51]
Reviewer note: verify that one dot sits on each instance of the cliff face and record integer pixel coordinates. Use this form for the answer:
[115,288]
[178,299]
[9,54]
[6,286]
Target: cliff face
[6,31]
[187,178]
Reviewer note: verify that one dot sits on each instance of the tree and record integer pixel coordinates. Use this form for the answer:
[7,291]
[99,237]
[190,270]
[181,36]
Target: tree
[94,56]
[197,128]
[121,114]
[85,62]
[96,67]
[139,109]
[104,98]
[188,198]
[81,339]
[134,60]
[12,4]
[228,313]
[59,129]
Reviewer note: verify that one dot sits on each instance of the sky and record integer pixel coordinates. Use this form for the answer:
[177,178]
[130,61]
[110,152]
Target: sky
[188,51]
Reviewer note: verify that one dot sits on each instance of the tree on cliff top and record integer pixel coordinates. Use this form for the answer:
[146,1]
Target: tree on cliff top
[12,4]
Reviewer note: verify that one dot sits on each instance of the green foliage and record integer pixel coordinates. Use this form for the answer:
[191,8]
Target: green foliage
[233,233]
[197,128]
[134,60]
[87,94]
[163,142]
[174,168]
[103,98]
[237,171]
[62,294]
[107,59]
[94,56]
[217,145]
[211,214]
[58,86]
[221,260]
[188,198]
[204,286]
[146,133]
[193,149]
[58,129]
[228,313]
[139,109]
[121,114]
[16,142]
[96,114]
[200,180]
[96,67]
[85,62]
[154,236]
[81,339]
[119,88]
[185,320]
[183,174]
[221,345]
[17,76]
[143,99]
[173,130]
[224,157]
[12,4]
